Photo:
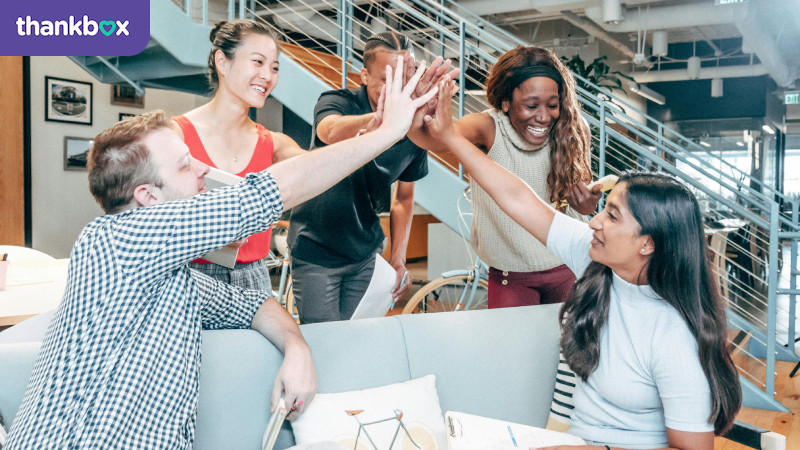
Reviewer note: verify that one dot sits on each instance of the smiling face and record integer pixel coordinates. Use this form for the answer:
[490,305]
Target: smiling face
[182,176]
[534,109]
[616,241]
[252,73]
[374,76]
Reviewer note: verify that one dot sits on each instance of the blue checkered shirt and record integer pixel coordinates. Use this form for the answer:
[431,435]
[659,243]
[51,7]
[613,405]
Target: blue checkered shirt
[120,362]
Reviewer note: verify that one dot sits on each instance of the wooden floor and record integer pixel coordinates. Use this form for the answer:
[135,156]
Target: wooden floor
[787,424]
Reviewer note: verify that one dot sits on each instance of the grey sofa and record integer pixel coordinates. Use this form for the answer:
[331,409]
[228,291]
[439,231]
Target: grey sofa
[497,363]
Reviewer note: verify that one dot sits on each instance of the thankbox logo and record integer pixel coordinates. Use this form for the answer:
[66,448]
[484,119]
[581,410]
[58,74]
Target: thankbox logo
[75,27]
[81,27]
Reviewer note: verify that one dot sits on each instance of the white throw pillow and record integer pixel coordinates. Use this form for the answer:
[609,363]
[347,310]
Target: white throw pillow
[327,419]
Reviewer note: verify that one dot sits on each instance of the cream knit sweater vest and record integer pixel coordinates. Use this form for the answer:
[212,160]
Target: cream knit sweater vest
[498,240]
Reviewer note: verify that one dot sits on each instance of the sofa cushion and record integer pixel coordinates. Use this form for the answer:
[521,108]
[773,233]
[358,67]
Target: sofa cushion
[357,354]
[239,366]
[16,365]
[497,363]
[414,402]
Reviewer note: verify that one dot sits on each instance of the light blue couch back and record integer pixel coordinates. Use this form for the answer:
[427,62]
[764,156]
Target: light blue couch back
[496,363]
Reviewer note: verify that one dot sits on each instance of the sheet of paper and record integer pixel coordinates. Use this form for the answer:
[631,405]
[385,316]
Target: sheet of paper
[470,432]
[21,273]
[378,298]
[219,178]
[274,426]
[224,256]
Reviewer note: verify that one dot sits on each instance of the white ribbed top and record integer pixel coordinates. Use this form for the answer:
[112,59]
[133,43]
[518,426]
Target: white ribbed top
[498,240]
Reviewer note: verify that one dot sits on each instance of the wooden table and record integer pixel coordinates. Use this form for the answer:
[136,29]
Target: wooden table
[32,287]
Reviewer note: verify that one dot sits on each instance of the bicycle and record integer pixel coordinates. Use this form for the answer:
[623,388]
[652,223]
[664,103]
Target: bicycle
[279,257]
[456,290]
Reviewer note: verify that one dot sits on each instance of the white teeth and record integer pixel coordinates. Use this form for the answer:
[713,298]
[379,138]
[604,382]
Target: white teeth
[259,89]
[537,131]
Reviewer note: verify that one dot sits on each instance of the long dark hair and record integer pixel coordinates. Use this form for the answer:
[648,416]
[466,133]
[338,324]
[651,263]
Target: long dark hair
[570,142]
[678,271]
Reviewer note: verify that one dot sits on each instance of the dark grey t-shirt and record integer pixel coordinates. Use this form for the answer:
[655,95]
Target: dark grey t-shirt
[341,225]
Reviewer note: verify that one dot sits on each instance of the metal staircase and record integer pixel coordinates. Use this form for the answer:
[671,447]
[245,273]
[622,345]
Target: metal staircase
[747,219]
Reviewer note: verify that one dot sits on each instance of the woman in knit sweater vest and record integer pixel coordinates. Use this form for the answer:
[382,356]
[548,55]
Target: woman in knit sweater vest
[535,131]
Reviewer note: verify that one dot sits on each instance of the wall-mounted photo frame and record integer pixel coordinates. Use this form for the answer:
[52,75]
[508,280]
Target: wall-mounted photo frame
[123,116]
[67,101]
[125,95]
[76,152]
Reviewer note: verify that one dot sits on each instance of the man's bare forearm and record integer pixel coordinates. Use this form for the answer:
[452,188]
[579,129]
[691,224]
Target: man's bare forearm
[336,128]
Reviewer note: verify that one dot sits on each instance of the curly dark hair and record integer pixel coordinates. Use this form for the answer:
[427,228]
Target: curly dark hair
[570,141]
[228,36]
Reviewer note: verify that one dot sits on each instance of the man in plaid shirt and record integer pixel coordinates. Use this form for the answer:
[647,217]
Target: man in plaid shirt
[120,362]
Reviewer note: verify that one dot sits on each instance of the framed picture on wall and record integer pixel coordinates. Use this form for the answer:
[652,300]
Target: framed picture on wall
[76,152]
[67,101]
[125,95]
[123,116]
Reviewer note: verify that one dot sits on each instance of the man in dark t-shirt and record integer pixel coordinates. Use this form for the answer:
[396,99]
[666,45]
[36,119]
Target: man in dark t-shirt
[335,236]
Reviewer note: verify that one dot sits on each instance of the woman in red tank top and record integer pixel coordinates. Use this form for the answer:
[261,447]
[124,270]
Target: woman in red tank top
[243,70]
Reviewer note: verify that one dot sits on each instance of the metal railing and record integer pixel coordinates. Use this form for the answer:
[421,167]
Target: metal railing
[747,217]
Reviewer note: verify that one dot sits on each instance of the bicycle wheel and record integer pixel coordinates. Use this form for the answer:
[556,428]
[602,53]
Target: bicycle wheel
[443,295]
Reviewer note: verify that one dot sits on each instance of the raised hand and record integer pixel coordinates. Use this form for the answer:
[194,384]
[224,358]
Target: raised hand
[435,73]
[440,124]
[583,200]
[398,105]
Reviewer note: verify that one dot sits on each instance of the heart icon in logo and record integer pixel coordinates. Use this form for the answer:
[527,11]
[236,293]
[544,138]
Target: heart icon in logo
[107,24]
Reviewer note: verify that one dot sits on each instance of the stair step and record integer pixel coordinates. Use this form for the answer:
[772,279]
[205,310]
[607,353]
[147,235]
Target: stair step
[325,65]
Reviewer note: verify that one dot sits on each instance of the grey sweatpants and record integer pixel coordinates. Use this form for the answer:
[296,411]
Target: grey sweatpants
[325,294]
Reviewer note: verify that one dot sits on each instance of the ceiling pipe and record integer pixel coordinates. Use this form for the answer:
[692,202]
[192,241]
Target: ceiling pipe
[665,17]
[655,76]
[595,30]
[744,16]
[752,28]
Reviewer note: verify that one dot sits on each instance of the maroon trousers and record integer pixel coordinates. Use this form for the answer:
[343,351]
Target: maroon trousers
[509,289]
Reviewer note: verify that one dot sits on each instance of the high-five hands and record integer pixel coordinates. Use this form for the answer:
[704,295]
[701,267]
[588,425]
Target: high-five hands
[440,124]
[399,102]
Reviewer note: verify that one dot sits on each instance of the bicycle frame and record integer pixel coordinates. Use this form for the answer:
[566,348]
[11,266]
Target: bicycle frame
[468,296]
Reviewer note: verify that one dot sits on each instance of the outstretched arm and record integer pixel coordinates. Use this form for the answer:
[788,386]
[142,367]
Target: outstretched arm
[305,176]
[513,196]
[401,215]
[296,379]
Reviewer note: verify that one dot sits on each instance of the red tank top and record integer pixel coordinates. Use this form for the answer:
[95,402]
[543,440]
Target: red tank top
[257,245]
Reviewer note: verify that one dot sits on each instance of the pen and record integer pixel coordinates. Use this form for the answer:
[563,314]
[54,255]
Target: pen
[402,282]
[514,441]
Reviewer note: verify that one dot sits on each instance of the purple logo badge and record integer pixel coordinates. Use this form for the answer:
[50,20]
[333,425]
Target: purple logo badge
[74,28]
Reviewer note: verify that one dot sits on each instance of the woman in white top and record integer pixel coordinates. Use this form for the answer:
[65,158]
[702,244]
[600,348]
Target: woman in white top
[644,328]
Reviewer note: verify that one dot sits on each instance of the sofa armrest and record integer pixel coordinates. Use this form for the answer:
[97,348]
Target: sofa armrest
[756,437]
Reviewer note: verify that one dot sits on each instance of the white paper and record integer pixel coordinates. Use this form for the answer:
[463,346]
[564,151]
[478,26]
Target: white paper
[470,432]
[225,256]
[378,298]
[216,178]
[274,426]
